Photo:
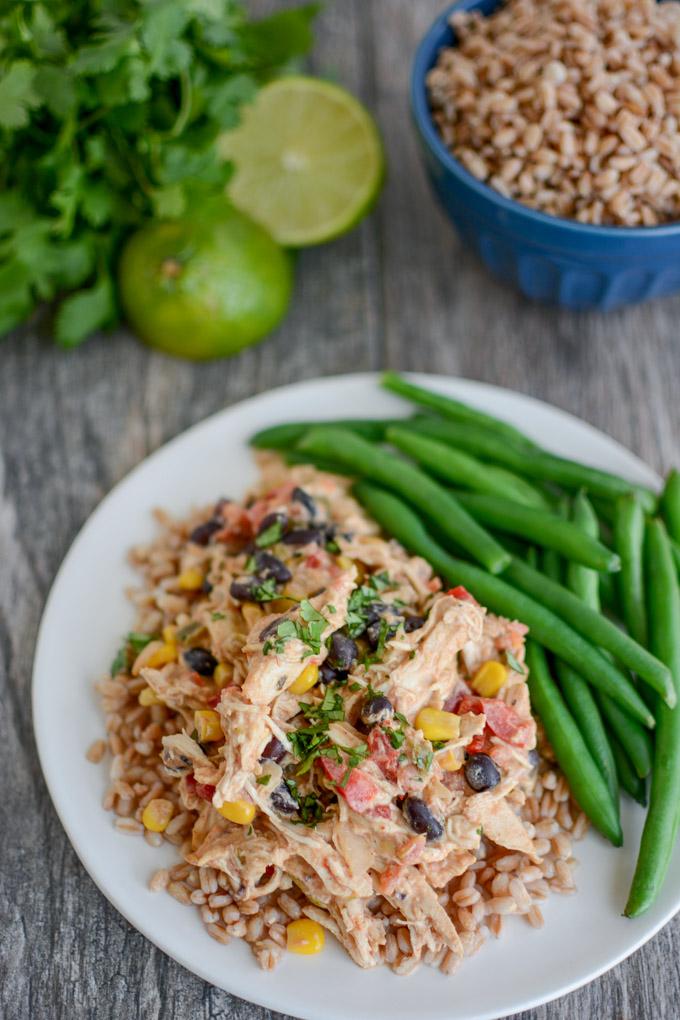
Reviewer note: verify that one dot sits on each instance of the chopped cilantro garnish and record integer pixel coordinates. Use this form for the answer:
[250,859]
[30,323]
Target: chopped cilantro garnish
[266,591]
[270,535]
[331,609]
[263,780]
[423,760]
[310,807]
[438,744]
[355,687]
[217,616]
[331,708]
[514,664]
[332,546]
[380,581]
[308,743]
[132,645]
[383,634]
[397,738]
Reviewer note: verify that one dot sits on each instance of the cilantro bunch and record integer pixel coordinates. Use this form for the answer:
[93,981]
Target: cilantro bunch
[109,115]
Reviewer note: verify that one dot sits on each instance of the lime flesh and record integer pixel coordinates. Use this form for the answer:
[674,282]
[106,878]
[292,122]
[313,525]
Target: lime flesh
[308,160]
[206,285]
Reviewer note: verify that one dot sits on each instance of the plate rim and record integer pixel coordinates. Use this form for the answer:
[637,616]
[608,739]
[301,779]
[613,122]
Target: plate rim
[442,384]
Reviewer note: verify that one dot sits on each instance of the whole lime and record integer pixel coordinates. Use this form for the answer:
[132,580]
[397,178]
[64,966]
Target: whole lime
[206,285]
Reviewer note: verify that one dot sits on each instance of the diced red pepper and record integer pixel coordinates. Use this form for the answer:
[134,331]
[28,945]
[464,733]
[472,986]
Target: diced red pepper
[501,719]
[381,810]
[359,790]
[383,754]
[203,790]
[459,592]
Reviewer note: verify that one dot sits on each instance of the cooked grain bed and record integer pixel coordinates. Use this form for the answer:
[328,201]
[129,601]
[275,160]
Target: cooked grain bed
[497,885]
[568,106]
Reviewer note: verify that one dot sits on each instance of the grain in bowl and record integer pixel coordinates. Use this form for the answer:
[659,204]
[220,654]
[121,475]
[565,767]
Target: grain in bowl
[568,106]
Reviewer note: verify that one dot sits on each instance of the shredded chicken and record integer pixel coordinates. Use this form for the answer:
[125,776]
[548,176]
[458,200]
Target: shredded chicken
[320,735]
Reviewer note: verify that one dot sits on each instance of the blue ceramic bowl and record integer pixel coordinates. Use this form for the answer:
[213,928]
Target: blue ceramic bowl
[572,264]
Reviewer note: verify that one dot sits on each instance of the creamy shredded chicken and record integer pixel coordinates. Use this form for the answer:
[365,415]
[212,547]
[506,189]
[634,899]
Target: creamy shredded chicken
[313,647]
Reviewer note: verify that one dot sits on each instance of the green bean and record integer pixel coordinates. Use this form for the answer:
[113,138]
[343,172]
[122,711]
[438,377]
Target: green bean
[675,552]
[461,469]
[630,781]
[661,824]
[551,560]
[298,457]
[670,504]
[546,529]
[584,583]
[609,594]
[448,407]
[539,465]
[593,626]
[400,521]
[280,437]
[586,782]
[629,533]
[581,702]
[363,458]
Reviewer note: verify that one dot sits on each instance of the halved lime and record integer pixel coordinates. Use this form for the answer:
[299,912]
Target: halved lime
[308,160]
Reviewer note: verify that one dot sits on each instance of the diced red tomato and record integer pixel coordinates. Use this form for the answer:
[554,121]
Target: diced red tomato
[501,720]
[382,753]
[238,523]
[459,592]
[203,790]
[359,790]
[381,810]
[214,701]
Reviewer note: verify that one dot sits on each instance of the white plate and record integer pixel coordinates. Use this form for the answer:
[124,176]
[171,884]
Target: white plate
[85,616]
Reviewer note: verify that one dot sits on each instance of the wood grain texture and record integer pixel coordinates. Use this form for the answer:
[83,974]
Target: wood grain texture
[401,291]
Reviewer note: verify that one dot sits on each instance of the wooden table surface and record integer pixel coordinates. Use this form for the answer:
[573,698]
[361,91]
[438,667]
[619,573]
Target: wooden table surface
[400,291]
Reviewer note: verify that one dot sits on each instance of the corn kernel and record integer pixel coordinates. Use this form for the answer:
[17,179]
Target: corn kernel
[489,679]
[190,580]
[345,563]
[222,674]
[305,937]
[450,761]
[282,605]
[170,634]
[163,655]
[240,811]
[148,697]
[437,724]
[208,725]
[306,680]
[157,814]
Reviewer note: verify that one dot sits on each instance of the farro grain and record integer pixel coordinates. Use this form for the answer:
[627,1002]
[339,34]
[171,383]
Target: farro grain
[179,891]
[237,930]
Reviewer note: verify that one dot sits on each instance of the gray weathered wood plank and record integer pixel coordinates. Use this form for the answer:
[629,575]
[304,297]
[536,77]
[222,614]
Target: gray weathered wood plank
[401,291]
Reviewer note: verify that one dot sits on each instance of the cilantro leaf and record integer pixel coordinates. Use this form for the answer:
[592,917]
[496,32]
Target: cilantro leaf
[514,665]
[17,94]
[84,312]
[110,114]
[270,535]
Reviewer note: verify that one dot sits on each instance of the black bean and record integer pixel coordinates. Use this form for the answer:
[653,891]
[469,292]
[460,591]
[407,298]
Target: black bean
[481,772]
[421,819]
[200,660]
[329,675]
[283,801]
[373,633]
[274,751]
[243,590]
[204,532]
[270,520]
[267,565]
[413,622]
[376,710]
[302,497]
[533,757]
[206,587]
[343,651]
[220,505]
[304,536]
